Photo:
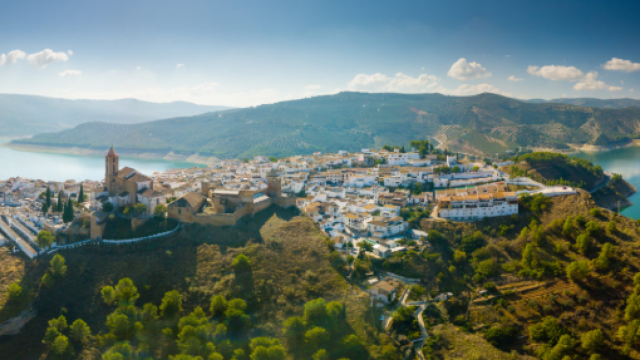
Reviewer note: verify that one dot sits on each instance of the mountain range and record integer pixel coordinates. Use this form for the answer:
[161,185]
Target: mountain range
[22,115]
[481,124]
[592,102]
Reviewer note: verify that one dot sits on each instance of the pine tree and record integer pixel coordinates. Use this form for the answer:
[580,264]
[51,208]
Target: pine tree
[60,203]
[81,194]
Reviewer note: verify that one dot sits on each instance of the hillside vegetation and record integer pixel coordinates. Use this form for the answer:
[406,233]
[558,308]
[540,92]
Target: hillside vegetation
[22,115]
[286,265]
[561,280]
[485,123]
[557,169]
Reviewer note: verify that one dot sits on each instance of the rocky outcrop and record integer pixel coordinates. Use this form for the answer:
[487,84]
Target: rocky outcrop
[14,325]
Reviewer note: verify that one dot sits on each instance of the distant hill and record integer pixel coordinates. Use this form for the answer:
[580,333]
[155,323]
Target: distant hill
[481,124]
[591,102]
[22,115]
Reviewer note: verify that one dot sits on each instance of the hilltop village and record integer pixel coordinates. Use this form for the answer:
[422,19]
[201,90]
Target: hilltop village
[369,196]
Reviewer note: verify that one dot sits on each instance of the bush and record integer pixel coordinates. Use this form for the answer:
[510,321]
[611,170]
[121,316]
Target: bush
[14,292]
[501,337]
[595,212]
[578,270]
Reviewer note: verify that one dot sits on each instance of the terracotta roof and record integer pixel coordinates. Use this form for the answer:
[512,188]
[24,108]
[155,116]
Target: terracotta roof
[192,199]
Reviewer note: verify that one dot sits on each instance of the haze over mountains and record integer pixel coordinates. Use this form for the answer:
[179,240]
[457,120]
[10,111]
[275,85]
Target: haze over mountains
[485,123]
[22,115]
[592,102]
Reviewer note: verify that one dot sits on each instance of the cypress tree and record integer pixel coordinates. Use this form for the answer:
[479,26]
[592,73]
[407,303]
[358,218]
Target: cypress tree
[47,201]
[67,215]
[81,194]
[60,204]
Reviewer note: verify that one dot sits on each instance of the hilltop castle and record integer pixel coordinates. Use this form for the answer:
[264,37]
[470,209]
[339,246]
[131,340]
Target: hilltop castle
[220,206]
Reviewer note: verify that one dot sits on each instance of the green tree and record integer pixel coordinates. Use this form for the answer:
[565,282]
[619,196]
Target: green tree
[45,239]
[592,340]
[241,264]
[47,201]
[611,227]
[107,207]
[125,293]
[67,215]
[47,280]
[602,262]
[171,306]
[316,337]
[237,320]
[119,326]
[60,345]
[160,211]
[60,203]
[81,194]
[80,331]
[14,292]
[530,257]
[294,330]
[218,305]
[593,229]
[578,270]
[58,267]
[583,244]
[140,209]
[315,312]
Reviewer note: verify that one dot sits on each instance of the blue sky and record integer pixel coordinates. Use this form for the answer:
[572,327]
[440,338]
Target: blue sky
[243,53]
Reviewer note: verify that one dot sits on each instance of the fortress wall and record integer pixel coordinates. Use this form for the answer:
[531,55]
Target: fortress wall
[257,207]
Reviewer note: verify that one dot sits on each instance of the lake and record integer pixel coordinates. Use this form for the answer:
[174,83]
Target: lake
[624,161]
[61,167]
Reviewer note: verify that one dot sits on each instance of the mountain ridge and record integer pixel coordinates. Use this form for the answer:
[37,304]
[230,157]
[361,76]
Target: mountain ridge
[482,124]
[23,115]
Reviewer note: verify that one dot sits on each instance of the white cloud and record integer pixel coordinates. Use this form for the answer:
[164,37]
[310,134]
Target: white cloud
[70,52]
[621,65]
[399,83]
[313,87]
[589,82]
[556,72]
[45,57]
[513,78]
[12,57]
[463,70]
[178,66]
[15,55]
[67,73]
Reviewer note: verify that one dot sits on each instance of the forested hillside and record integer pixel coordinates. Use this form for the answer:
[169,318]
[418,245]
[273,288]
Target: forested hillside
[210,292]
[485,123]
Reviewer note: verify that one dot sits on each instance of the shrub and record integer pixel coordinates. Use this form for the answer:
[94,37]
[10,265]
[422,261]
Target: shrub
[15,292]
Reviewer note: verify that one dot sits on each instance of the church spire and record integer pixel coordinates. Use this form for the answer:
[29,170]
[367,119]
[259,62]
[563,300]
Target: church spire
[112,153]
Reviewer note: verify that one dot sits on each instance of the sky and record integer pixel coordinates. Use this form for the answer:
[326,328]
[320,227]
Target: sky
[245,53]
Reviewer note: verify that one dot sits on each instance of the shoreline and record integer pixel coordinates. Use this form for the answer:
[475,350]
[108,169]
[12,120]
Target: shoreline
[196,159]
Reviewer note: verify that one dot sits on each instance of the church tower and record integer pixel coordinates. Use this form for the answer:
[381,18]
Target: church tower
[111,170]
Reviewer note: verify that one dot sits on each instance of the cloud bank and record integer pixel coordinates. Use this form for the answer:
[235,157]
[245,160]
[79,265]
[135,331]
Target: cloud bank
[45,57]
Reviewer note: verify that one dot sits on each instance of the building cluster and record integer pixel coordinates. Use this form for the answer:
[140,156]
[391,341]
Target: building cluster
[353,196]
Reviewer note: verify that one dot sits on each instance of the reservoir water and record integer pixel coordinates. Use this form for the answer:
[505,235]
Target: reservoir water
[61,167]
[624,161]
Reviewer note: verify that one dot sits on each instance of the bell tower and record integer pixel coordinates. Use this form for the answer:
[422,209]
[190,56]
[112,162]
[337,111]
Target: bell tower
[111,169]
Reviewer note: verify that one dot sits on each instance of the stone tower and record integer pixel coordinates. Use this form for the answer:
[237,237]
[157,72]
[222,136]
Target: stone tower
[274,185]
[111,169]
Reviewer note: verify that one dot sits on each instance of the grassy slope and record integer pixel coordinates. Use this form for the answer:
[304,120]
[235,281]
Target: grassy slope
[351,121]
[282,248]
